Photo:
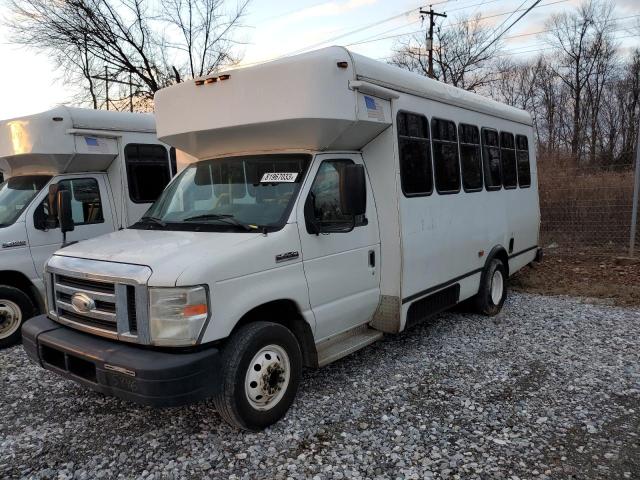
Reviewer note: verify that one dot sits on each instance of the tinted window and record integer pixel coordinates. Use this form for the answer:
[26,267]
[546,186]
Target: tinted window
[445,156]
[470,157]
[174,162]
[415,154]
[524,169]
[508,155]
[147,171]
[491,159]
[325,193]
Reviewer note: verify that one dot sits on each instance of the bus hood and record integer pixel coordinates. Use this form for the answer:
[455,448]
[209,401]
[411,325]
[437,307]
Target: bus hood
[206,256]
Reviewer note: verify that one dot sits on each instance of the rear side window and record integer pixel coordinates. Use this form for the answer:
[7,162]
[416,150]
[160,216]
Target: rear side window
[470,157]
[508,156]
[445,156]
[416,175]
[524,168]
[148,171]
[491,159]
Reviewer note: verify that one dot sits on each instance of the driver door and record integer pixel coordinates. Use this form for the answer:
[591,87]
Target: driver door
[92,215]
[341,266]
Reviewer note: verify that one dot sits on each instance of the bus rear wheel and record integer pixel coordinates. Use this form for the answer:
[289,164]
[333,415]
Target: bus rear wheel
[15,308]
[493,289]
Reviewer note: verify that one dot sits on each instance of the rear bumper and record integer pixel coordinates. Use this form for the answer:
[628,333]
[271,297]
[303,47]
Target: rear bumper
[147,377]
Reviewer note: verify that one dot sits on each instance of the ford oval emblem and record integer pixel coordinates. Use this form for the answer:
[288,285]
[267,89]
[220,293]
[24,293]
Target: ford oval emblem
[82,303]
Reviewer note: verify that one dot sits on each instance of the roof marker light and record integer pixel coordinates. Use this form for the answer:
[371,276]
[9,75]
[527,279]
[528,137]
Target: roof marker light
[57,119]
[226,76]
[199,82]
[211,80]
[343,64]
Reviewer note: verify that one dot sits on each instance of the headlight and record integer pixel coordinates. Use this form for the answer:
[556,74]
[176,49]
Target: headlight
[177,315]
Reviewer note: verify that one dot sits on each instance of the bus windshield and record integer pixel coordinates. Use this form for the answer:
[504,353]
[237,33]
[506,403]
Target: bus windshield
[16,194]
[245,193]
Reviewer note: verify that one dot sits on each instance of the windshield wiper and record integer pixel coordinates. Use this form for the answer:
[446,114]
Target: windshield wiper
[226,218]
[157,221]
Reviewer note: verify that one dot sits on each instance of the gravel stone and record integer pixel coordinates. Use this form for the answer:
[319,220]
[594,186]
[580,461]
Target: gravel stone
[548,389]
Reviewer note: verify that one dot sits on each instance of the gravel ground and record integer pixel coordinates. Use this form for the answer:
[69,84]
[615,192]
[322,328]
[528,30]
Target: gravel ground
[550,388]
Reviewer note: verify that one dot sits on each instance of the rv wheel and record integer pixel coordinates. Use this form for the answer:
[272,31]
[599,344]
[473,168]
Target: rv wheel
[261,370]
[15,308]
[493,289]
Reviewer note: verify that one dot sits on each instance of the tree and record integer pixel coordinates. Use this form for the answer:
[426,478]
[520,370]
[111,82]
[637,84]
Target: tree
[127,43]
[460,54]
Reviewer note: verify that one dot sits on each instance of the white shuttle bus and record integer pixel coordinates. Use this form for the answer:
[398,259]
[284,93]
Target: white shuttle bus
[111,164]
[331,199]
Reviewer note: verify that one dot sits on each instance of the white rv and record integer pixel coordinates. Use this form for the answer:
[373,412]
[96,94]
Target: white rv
[111,163]
[331,198]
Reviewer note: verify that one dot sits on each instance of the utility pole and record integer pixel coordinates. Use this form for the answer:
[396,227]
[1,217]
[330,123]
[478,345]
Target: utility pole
[432,23]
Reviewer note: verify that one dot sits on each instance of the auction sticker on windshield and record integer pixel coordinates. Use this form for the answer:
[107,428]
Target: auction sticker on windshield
[275,177]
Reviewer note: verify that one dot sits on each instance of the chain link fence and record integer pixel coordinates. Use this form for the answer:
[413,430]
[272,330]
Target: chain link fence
[585,207]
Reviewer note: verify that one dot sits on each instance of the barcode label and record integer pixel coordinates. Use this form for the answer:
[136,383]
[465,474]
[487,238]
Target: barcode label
[279,177]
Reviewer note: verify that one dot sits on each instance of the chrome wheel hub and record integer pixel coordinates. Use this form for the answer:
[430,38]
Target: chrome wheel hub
[267,377]
[497,287]
[10,318]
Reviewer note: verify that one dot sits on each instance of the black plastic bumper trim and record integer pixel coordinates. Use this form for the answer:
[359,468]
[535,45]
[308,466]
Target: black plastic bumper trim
[141,375]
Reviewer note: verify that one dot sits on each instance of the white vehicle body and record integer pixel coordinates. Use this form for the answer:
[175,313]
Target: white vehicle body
[83,150]
[410,257]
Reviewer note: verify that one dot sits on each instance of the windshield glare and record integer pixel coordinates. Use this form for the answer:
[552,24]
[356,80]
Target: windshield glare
[228,193]
[16,194]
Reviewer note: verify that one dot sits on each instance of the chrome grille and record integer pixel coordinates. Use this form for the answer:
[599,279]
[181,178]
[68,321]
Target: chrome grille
[103,294]
[110,299]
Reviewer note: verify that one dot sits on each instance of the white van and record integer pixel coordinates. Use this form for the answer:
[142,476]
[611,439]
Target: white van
[111,163]
[332,198]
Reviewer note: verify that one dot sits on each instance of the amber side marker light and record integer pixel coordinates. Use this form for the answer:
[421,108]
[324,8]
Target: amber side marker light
[211,80]
[343,64]
[226,76]
[199,82]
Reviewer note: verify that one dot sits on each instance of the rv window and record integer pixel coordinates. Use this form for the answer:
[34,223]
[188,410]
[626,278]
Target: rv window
[445,156]
[522,152]
[508,155]
[470,158]
[86,205]
[416,176]
[148,171]
[491,159]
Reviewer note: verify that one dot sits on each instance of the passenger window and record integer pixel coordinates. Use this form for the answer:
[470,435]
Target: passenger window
[325,195]
[86,204]
[445,156]
[470,158]
[416,177]
[491,159]
[148,171]
[508,155]
[524,168]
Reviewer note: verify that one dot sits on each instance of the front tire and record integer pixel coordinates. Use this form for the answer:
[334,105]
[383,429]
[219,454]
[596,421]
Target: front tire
[493,289]
[261,371]
[15,308]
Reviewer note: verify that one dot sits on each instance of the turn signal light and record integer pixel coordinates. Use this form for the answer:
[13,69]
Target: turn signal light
[193,310]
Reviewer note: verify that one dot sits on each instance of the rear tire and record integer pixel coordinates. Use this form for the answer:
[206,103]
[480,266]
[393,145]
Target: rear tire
[15,308]
[493,289]
[261,371]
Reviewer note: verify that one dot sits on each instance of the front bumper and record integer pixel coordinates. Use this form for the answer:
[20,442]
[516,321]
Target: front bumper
[144,376]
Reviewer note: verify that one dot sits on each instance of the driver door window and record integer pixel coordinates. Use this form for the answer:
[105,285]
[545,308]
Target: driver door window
[86,204]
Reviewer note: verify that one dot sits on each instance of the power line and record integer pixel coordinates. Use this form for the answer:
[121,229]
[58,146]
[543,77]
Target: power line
[450,25]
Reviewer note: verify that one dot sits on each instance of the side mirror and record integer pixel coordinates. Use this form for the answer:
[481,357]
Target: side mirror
[353,190]
[65,215]
[51,220]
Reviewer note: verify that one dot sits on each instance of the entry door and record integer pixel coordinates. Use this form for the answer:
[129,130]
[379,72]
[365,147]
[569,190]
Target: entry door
[341,267]
[92,214]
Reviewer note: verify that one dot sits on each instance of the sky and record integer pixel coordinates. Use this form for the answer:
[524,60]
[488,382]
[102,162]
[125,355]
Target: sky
[31,84]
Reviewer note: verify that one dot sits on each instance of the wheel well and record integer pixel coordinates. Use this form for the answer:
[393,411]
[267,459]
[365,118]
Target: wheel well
[286,313]
[500,253]
[19,280]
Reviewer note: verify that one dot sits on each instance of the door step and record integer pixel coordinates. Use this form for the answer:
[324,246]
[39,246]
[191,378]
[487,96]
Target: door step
[345,343]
